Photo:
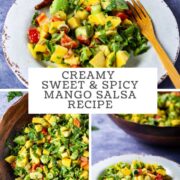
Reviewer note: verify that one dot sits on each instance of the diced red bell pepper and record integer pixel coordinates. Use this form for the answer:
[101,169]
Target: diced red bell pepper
[83,40]
[67,42]
[122,15]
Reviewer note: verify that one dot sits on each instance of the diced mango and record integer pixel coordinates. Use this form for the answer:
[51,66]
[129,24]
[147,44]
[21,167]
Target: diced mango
[46,152]
[21,162]
[40,48]
[97,19]
[52,120]
[42,18]
[10,159]
[126,171]
[161,172]
[121,58]
[39,120]
[28,144]
[74,22]
[81,14]
[66,162]
[86,154]
[114,22]
[31,50]
[127,22]
[91,2]
[61,14]
[84,175]
[72,60]
[26,130]
[104,49]
[58,54]
[98,60]
[54,26]
[43,140]
[47,117]
[85,139]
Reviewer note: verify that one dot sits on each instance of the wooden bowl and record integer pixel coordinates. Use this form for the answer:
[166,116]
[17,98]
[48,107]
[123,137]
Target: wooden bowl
[15,118]
[168,136]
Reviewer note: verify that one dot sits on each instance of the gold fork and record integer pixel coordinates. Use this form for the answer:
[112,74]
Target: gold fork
[141,17]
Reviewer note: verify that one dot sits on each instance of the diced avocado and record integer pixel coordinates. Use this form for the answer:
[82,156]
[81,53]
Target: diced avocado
[44,159]
[59,5]
[66,162]
[121,58]
[104,49]
[74,155]
[84,31]
[97,19]
[98,60]
[21,140]
[74,22]
[75,116]
[34,157]
[110,60]
[117,5]
[50,175]
[10,159]
[85,54]
[36,175]
[105,3]
[81,14]
[96,9]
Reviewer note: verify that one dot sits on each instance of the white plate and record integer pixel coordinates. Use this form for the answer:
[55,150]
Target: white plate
[173,169]
[19,18]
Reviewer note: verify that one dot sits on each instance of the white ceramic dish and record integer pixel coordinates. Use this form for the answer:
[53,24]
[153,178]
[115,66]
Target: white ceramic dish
[19,18]
[173,169]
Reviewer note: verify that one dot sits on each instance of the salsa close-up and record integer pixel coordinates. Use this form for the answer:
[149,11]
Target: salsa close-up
[168,112]
[137,170]
[52,147]
[85,33]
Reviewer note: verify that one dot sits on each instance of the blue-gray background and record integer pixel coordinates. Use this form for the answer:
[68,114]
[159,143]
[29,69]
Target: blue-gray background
[110,141]
[8,79]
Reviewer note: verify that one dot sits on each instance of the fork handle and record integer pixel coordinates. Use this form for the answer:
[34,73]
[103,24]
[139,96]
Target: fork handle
[172,72]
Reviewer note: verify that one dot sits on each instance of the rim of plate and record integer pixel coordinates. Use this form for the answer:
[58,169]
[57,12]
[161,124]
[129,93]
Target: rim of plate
[15,68]
[113,158]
